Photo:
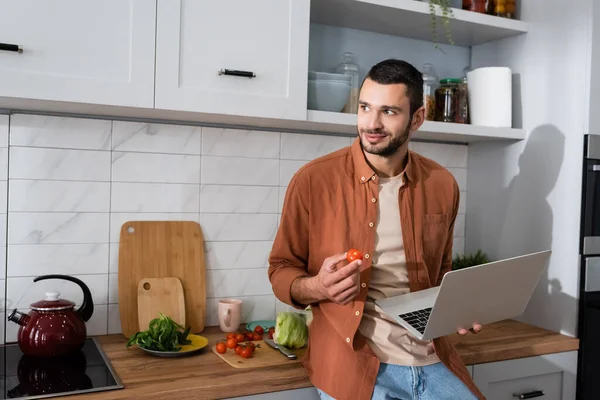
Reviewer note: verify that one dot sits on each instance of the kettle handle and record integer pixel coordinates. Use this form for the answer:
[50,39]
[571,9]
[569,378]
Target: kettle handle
[87,306]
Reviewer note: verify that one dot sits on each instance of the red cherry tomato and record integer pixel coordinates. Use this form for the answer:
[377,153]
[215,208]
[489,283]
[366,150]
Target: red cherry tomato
[221,347]
[247,353]
[232,343]
[353,254]
[259,329]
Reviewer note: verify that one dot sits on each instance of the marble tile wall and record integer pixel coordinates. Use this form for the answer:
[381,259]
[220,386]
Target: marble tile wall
[68,184]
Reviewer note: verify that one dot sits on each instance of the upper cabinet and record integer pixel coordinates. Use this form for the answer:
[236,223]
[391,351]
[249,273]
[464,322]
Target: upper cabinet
[98,52]
[246,58]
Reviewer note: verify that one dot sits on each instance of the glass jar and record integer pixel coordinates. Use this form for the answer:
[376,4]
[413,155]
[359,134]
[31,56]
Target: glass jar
[475,5]
[502,8]
[446,100]
[349,67]
[430,81]
[462,104]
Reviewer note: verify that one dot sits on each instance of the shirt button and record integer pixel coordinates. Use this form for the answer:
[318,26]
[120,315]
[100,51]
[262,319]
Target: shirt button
[362,178]
[363,285]
[347,340]
[373,177]
[371,224]
[367,255]
[357,313]
[373,199]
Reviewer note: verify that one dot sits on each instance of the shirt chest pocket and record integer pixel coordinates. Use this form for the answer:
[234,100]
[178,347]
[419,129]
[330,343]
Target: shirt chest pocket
[435,233]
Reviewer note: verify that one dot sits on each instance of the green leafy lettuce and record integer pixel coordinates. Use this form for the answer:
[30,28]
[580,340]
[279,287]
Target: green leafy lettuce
[291,330]
[163,334]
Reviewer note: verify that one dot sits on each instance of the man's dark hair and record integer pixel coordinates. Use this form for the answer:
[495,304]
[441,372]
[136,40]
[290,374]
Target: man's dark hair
[393,71]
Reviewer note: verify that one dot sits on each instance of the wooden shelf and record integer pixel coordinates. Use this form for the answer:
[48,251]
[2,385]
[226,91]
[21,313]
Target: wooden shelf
[435,131]
[411,18]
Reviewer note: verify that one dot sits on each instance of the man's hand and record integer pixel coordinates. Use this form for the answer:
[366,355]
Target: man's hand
[476,329]
[339,284]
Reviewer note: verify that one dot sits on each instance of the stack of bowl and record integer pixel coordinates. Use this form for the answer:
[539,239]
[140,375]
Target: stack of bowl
[328,91]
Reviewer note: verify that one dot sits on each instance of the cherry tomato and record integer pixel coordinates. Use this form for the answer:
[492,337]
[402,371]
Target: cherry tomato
[247,353]
[271,332]
[249,335]
[231,343]
[259,329]
[230,335]
[239,349]
[257,337]
[221,348]
[251,346]
[240,337]
[353,254]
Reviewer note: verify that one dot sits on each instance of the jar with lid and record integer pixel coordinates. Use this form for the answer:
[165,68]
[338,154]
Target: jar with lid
[502,8]
[446,100]
[430,81]
[349,67]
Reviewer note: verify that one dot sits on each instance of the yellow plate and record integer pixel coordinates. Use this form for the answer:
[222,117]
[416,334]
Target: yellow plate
[198,343]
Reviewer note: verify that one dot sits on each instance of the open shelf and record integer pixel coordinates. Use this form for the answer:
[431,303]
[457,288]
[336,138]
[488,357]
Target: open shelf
[411,18]
[438,131]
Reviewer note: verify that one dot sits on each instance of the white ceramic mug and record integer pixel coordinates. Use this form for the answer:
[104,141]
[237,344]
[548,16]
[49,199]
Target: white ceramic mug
[230,314]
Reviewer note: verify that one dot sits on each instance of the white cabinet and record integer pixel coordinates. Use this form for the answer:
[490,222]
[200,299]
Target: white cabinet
[99,52]
[267,38]
[549,377]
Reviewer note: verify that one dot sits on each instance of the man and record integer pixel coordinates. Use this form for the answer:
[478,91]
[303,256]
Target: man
[396,207]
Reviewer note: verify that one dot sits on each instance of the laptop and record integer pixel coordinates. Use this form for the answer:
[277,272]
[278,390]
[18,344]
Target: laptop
[481,294]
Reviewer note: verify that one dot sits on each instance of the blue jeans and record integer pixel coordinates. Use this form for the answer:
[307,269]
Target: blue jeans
[432,382]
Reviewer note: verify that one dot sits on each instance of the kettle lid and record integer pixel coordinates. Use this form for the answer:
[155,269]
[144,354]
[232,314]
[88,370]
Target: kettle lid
[52,302]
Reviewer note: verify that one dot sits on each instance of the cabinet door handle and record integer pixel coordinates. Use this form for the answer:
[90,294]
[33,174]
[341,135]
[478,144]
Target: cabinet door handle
[11,47]
[529,395]
[233,72]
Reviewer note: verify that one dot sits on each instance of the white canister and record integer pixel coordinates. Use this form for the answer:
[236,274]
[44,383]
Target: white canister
[490,96]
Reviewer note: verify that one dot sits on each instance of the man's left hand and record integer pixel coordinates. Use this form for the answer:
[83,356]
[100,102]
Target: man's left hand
[476,328]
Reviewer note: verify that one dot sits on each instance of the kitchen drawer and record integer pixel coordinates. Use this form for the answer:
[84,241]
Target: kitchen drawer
[554,375]
[267,38]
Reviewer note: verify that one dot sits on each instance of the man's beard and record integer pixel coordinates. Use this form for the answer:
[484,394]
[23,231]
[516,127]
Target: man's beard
[392,147]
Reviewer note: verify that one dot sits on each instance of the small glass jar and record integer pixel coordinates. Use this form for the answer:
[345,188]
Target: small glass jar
[446,100]
[502,8]
[430,81]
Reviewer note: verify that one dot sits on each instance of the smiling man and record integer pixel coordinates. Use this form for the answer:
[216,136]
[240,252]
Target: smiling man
[398,208]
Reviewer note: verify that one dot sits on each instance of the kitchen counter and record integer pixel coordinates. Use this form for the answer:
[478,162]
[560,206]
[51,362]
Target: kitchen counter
[205,376]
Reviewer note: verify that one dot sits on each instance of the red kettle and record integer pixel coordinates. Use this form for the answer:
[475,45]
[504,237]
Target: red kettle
[53,327]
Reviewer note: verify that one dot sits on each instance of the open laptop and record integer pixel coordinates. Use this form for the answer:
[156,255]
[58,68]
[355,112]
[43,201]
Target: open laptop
[482,294]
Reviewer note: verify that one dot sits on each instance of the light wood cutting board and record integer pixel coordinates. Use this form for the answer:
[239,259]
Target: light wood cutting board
[161,249]
[160,295]
[264,356]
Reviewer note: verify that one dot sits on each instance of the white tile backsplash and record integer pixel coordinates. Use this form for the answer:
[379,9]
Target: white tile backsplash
[59,164]
[240,143]
[58,196]
[155,168]
[67,259]
[239,171]
[299,146]
[156,138]
[57,228]
[59,132]
[155,197]
[75,181]
[239,199]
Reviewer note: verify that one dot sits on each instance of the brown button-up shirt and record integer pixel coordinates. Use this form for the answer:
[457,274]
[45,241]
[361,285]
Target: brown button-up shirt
[331,206]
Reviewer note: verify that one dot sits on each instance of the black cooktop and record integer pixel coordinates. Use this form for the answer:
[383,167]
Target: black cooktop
[86,371]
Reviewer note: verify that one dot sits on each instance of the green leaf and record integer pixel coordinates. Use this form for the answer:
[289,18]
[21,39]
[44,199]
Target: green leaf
[163,334]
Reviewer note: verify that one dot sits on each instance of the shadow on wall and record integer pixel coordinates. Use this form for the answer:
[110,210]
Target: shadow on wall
[524,220]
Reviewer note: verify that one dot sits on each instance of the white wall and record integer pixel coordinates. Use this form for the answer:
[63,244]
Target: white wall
[525,197]
[73,183]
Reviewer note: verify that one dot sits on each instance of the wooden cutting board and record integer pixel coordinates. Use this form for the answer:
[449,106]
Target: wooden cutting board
[160,295]
[162,249]
[264,356]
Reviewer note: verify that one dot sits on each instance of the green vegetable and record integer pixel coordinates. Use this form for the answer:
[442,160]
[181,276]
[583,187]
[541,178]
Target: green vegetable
[291,330]
[163,334]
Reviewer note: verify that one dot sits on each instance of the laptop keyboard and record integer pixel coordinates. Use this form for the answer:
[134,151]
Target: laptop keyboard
[417,319]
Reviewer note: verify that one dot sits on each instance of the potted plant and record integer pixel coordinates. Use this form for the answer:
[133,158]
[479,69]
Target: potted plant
[446,11]
[469,260]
